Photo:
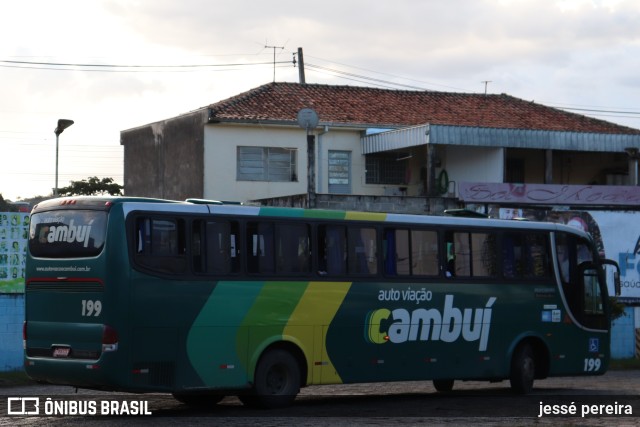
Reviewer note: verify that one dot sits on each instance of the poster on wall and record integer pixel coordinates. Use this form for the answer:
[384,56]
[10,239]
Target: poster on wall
[14,229]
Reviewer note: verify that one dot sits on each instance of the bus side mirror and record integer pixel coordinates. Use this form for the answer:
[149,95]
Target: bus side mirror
[616,275]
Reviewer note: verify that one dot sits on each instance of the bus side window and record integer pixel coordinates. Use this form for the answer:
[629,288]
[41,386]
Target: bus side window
[474,254]
[161,244]
[198,251]
[261,256]
[362,254]
[424,253]
[397,260]
[538,259]
[332,250]
[525,255]
[293,248]
[218,247]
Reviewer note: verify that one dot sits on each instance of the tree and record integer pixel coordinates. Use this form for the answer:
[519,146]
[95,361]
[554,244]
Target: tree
[92,186]
[5,206]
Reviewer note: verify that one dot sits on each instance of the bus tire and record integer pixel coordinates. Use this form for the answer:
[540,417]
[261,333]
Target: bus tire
[523,369]
[277,380]
[443,386]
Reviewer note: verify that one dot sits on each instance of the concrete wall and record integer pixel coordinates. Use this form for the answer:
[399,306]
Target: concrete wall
[11,320]
[165,159]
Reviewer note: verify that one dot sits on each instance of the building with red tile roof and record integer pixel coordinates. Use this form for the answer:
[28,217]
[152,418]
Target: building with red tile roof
[371,107]
[372,143]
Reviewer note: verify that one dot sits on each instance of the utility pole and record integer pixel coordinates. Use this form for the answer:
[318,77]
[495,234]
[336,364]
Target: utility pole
[274,58]
[301,67]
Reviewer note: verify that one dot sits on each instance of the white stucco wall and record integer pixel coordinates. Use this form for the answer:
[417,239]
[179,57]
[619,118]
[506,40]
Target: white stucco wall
[478,164]
[220,160]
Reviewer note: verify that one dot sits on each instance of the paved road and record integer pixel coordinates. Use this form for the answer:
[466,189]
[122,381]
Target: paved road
[383,404]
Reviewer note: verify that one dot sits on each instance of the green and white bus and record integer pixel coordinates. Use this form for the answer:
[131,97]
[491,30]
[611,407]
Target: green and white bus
[204,299]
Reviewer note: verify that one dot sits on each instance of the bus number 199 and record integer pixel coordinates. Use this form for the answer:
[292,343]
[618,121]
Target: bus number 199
[591,365]
[91,308]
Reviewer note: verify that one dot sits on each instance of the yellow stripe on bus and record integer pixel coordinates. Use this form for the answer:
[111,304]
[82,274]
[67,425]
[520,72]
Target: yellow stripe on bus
[366,216]
[309,323]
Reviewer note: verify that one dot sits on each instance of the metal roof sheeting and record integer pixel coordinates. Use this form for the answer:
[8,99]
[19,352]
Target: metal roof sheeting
[395,139]
[494,137]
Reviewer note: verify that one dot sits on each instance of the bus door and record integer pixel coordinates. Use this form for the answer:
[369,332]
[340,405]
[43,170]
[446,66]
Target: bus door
[582,282]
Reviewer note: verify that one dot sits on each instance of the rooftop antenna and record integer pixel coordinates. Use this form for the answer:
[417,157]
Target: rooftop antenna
[486,83]
[274,58]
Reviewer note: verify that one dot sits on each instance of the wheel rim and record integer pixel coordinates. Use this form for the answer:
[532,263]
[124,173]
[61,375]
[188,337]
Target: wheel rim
[277,380]
[528,369]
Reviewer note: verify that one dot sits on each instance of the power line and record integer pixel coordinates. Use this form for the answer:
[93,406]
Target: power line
[601,111]
[125,67]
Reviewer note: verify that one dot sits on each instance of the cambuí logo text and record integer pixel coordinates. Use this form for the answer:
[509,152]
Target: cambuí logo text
[70,233]
[449,324]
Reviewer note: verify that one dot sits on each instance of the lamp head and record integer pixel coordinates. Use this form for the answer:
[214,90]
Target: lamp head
[62,125]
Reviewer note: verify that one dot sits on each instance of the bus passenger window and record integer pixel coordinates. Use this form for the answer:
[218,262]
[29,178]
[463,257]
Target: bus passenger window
[219,247]
[161,244]
[198,252]
[292,248]
[473,254]
[537,246]
[424,253]
[396,252]
[525,255]
[261,256]
[362,255]
[332,250]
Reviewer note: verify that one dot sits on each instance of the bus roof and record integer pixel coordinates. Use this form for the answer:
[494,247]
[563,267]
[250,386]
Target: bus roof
[237,209]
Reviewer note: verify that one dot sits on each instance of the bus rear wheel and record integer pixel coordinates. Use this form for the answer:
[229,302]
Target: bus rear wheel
[523,369]
[277,380]
[443,386]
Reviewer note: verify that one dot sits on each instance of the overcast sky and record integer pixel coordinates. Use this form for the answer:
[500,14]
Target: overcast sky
[579,54]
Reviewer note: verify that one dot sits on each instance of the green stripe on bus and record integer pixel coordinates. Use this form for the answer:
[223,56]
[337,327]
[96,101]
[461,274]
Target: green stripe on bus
[211,342]
[281,212]
[265,321]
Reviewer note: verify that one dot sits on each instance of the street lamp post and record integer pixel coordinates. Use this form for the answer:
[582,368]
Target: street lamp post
[62,125]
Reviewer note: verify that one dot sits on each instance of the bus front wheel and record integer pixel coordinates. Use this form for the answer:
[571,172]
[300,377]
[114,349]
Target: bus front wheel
[523,369]
[277,380]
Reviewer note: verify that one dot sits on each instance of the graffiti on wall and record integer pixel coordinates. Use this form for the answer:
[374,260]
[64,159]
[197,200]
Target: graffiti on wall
[601,195]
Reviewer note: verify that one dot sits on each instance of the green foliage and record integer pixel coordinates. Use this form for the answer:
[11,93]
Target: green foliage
[6,206]
[92,186]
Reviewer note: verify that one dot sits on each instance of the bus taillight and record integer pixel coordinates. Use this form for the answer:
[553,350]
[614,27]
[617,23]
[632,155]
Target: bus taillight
[24,335]
[109,339]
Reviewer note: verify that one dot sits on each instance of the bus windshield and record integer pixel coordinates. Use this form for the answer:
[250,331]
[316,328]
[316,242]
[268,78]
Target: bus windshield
[67,234]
